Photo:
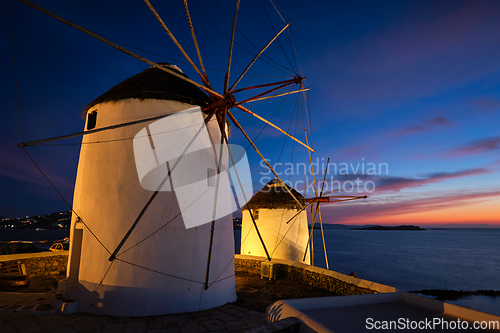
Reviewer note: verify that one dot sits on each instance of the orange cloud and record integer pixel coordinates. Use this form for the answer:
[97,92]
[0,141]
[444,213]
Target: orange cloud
[478,207]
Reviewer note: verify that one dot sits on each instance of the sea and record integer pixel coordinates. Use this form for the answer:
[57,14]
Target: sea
[447,259]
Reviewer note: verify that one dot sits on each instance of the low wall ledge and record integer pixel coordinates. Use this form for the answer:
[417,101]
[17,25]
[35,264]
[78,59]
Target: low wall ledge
[312,275]
[10,257]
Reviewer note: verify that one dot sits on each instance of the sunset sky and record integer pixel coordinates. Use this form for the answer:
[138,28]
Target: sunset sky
[412,86]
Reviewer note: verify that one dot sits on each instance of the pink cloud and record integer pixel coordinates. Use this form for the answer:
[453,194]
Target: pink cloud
[351,152]
[488,104]
[430,204]
[439,121]
[396,184]
[477,147]
[370,147]
[410,130]
[15,164]
[427,125]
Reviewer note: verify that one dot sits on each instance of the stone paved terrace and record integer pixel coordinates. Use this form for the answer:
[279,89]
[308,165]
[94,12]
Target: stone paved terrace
[27,319]
[31,312]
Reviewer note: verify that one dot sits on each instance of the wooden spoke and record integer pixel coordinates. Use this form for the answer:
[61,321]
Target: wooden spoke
[357,198]
[207,83]
[271,124]
[312,170]
[328,199]
[295,79]
[324,178]
[319,199]
[264,93]
[175,40]
[312,229]
[222,126]
[258,233]
[256,57]
[235,122]
[279,95]
[332,192]
[122,49]
[74,135]
[323,236]
[153,196]
[310,242]
[348,196]
[319,212]
[226,78]
[245,198]
[298,212]
[210,115]
[287,222]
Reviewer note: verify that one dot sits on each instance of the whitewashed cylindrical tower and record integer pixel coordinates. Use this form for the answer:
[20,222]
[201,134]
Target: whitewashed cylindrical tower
[272,208]
[161,267]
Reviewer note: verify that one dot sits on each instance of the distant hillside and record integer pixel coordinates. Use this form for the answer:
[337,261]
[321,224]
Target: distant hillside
[331,226]
[60,220]
[399,227]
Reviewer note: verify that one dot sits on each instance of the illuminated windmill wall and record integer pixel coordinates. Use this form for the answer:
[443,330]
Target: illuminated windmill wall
[281,223]
[161,274]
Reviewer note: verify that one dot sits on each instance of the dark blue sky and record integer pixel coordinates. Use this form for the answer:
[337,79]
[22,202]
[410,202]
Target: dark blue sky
[412,84]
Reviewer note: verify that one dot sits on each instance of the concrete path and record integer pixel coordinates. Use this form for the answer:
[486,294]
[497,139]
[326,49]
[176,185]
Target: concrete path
[27,313]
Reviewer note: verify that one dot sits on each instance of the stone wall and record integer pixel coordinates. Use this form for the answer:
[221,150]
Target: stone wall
[51,263]
[247,264]
[38,264]
[321,280]
[314,276]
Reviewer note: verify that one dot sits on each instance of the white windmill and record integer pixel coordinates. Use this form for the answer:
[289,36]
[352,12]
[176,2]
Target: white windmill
[131,254]
[275,226]
[272,209]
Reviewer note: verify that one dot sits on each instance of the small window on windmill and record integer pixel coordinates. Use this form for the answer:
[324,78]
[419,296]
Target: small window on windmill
[91,120]
[255,215]
[211,177]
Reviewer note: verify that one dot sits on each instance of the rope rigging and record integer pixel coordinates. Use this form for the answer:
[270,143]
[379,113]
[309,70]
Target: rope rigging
[279,42]
[291,72]
[15,69]
[291,157]
[187,63]
[21,132]
[67,203]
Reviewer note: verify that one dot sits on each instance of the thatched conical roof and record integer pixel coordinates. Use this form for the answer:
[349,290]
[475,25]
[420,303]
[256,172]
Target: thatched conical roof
[274,196]
[154,83]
